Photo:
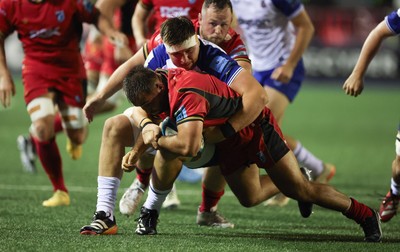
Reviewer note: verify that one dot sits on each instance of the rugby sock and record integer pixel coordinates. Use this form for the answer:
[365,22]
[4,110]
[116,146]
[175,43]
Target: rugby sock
[395,188]
[358,211]
[107,188]
[143,175]
[50,158]
[155,198]
[307,159]
[210,199]
[57,123]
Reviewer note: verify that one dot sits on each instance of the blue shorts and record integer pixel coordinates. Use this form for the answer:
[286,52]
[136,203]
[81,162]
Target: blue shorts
[289,89]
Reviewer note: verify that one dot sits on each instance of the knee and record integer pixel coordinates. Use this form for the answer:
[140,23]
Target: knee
[114,128]
[43,132]
[77,136]
[249,202]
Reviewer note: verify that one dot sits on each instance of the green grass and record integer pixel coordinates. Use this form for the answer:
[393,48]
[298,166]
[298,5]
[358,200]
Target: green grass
[356,134]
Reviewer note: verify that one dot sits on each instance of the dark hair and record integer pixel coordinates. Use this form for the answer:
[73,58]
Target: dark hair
[218,4]
[174,31]
[137,82]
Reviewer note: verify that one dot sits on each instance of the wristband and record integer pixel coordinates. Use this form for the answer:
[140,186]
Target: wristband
[146,121]
[227,130]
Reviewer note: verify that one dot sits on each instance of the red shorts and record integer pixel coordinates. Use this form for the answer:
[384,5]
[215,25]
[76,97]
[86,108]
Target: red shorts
[70,90]
[260,143]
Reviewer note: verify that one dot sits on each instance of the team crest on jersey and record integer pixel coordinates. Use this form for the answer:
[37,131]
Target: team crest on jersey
[60,16]
[192,1]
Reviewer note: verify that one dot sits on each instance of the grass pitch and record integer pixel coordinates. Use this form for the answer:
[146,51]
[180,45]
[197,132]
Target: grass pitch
[356,134]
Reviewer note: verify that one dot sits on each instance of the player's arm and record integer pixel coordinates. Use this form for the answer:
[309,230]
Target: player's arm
[139,18]
[254,99]
[105,26]
[354,84]
[113,85]
[108,7]
[304,33]
[187,142]
[245,64]
[7,87]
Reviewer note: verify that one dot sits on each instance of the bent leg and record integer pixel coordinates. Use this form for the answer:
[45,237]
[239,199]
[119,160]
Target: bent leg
[250,187]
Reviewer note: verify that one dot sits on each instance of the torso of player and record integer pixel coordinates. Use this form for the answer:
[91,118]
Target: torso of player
[268,32]
[164,9]
[50,32]
[200,96]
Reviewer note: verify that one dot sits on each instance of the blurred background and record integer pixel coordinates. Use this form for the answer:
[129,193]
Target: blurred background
[341,28]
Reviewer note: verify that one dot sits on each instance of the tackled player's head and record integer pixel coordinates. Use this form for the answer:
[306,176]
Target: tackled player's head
[145,88]
[181,42]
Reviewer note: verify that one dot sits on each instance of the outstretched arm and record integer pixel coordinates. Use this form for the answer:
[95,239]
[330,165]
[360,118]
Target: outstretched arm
[139,24]
[354,85]
[114,84]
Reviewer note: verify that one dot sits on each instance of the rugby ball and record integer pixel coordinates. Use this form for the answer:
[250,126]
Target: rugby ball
[168,128]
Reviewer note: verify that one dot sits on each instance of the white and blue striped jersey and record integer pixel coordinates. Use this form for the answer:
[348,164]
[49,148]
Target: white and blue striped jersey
[268,32]
[393,21]
[212,60]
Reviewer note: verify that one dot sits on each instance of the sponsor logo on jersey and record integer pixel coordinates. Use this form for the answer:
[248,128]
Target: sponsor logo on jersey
[170,12]
[45,33]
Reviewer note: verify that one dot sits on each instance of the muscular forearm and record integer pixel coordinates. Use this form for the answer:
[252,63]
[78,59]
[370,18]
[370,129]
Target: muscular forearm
[254,99]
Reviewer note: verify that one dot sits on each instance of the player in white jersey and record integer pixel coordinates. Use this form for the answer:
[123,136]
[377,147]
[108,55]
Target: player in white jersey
[354,85]
[277,32]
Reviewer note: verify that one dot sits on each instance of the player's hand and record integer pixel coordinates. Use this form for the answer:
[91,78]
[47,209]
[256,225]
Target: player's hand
[129,161]
[353,85]
[150,134]
[7,90]
[118,39]
[91,106]
[282,74]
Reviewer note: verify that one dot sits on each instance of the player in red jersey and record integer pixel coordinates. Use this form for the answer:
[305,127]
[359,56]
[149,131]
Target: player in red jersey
[53,74]
[197,101]
[214,25]
[158,11]
[111,55]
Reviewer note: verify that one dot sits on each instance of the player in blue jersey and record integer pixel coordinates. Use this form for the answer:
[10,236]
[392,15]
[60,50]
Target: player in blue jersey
[121,130]
[277,32]
[354,85]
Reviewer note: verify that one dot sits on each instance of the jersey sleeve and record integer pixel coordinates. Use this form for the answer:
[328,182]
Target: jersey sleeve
[393,21]
[6,27]
[216,62]
[289,8]
[153,42]
[157,58]
[236,48]
[192,107]
[88,13]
